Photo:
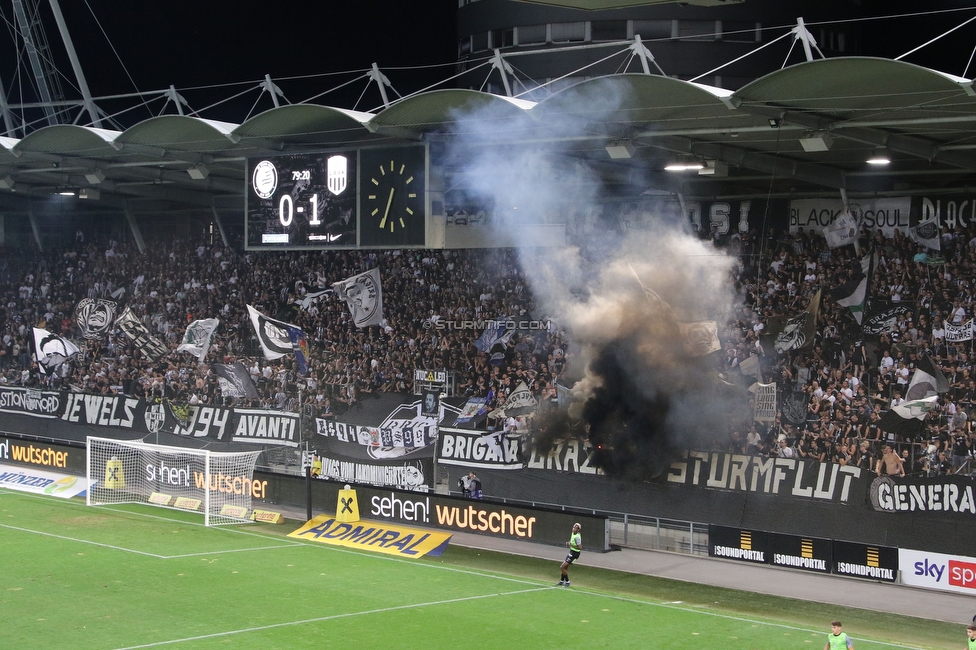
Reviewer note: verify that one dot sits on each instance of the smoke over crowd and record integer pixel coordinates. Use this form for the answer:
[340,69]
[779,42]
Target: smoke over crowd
[624,298]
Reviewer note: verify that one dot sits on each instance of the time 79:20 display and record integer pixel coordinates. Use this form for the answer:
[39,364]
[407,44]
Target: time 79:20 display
[302,201]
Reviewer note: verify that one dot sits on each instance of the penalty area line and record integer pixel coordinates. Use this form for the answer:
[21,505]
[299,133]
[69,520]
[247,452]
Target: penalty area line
[320,619]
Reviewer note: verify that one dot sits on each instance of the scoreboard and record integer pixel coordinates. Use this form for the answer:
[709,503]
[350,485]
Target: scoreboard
[337,199]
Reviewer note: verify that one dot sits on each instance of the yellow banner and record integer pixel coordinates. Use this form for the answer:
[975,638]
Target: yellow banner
[382,537]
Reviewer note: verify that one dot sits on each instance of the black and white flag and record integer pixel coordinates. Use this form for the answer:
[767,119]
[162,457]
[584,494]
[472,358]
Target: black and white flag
[95,317]
[883,321]
[927,234]
[197,338]
[907,418]
[234,380]
[364,295]
[854,293]
[519,402]
[151,347]
[928,380]
[843,230]
[272,334]
[800,331]
[51,350]
[700,338]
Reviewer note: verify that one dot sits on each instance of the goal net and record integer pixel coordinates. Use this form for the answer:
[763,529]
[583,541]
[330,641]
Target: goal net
[218,484]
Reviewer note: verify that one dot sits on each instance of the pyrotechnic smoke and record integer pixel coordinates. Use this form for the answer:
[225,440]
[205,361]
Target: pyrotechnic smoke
[621,298]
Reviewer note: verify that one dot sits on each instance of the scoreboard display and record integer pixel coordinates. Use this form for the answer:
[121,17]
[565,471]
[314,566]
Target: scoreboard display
[329,200]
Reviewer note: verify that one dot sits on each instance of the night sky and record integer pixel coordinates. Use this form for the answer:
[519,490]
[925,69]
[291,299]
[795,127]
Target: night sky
[200,44]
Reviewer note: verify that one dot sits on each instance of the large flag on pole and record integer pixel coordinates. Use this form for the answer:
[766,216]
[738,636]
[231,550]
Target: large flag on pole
[299,343]
[197,338]
[908,417]
[272,334]
[141,337]
[700,338]
[843,230]
[364,295]
[51,350]
[853,294]
[800,331]
[234,380]
[927,234]
[928,380]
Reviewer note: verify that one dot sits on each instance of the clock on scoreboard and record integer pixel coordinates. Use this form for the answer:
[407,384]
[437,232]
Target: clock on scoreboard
[338,199]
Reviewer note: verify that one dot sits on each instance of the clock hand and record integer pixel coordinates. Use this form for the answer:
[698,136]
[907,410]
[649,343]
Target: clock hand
[386,212]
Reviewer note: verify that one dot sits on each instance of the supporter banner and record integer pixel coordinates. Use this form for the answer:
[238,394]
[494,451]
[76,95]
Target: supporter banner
[864,561]
[415,475]
[226,425]
[959,333]
[730,217]
[30,401]
[389,429]
[265,427]
[151,347]
[938,494]
[367,536]
[782,476]
[197,338]
[948,210]
[571,455]
[937,571]
[765,410]
[886,215]
[474,449]
[359,442]
[422,376]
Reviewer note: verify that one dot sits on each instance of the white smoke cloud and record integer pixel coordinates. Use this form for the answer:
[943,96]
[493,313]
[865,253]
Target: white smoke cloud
[597,290]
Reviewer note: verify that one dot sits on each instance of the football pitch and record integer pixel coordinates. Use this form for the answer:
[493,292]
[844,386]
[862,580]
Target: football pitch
[139,577]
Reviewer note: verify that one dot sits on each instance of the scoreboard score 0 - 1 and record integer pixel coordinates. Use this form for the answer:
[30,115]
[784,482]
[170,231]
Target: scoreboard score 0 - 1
[315,200]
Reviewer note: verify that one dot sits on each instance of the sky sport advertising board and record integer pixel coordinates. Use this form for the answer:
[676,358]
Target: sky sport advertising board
[938,571]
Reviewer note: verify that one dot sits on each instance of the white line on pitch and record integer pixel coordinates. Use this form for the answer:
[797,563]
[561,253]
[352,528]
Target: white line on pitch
[83,541]
[333,617]
[234,550]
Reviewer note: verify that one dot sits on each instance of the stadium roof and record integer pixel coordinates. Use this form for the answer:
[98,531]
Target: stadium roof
[806,129]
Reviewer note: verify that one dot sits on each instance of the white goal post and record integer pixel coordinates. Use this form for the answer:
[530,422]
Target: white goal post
[220,484]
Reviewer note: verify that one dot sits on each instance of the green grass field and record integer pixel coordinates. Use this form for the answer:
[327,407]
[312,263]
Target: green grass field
[139,577]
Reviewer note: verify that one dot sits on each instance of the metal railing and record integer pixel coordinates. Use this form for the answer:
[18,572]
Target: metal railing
[640,531]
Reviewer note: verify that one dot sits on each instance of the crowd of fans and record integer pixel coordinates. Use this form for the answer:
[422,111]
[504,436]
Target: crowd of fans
[850,380]
[176,282]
